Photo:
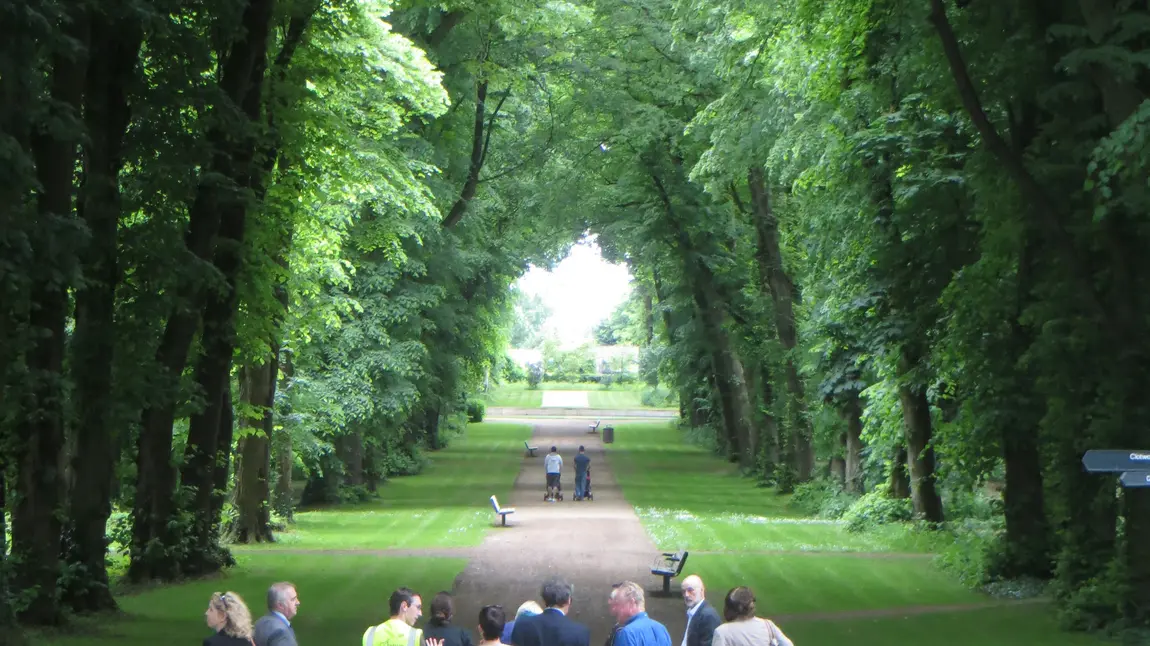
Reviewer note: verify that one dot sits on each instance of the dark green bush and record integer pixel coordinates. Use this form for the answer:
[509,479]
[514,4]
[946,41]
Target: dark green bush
[476,409]
[875,509]
[822,498]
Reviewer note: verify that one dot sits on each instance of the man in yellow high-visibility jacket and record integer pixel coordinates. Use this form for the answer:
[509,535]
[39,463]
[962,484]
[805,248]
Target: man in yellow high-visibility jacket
[406,608]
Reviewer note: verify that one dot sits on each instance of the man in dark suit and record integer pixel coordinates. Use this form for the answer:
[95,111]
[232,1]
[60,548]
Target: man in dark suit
[553,627]
[702,618]
[274,628]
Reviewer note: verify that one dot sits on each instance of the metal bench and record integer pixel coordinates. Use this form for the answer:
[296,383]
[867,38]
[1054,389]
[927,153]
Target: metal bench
[669,565]
[593,428]
[530,449]
[502,511]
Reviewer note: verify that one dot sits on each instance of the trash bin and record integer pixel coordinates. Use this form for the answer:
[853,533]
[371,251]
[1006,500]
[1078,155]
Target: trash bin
[608,434]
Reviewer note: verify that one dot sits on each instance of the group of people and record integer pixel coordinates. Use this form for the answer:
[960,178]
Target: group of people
[553,466]
[228,615]
[532,624]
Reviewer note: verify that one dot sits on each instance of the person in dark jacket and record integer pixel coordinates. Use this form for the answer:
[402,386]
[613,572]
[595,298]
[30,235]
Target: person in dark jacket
[439,625]
[527,609]
[228,615]
[702,618]
[553,627]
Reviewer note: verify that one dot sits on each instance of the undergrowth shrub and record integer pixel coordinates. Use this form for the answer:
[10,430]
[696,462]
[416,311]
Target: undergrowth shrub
[1094,605]
[476,409]
[657,397]
[705,436]
[351,494]
[822,498]
[970,550]
[961,505]
[876,508]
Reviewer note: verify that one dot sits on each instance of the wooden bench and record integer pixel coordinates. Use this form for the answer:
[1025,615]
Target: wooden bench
[593,428]
[668,566]
[502,511]
[530,449]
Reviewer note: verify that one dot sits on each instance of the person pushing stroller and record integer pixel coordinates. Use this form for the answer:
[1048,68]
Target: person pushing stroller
[582,475]
[553,464]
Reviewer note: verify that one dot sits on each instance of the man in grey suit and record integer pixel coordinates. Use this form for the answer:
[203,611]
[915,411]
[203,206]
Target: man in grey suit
[274,628]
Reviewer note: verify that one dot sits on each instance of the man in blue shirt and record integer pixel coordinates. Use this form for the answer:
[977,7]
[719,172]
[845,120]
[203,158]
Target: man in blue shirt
[635,627]
[581,462]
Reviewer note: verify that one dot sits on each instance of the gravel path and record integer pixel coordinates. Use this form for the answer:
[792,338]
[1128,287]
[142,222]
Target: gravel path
[593,544]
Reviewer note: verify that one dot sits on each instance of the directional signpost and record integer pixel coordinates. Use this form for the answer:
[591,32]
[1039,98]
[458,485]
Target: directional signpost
[1133,465]
[1135,479]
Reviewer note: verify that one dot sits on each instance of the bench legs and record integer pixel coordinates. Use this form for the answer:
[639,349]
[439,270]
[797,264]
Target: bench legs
[503,517]
[666,585]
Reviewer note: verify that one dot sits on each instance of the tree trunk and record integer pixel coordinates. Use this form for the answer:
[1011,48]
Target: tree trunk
[1136,508]
[730,381]
[648,318]
[39,451]
[898,486]
[198,473]
[222,473]
[349,449]
[114,53]
[917,424]
[851,412]
[240,81]
[7,615]
[431,427]
[284,500]
[728,371]
[769,437]
[778,284]
[480,144]
[838,465]
[253,522]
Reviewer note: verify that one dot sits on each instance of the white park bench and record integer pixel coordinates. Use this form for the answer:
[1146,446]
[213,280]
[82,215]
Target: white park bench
[502,511]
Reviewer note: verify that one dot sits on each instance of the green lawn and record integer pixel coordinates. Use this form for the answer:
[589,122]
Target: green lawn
[340,596]
[514,396]
[1021,625]
[445,506]
[801,583]
[614,399]
[689,499]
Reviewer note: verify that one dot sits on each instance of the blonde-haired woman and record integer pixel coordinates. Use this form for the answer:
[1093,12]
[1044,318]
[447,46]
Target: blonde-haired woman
[229,617]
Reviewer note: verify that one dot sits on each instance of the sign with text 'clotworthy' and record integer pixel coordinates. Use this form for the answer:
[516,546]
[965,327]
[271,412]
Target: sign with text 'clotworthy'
[1134,465]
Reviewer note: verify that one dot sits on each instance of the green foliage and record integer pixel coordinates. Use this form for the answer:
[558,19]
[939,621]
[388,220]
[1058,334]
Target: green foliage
[512,371]
[875,509]
[476,409]
[534,375]
[971,549]
[821,499]
[529,315]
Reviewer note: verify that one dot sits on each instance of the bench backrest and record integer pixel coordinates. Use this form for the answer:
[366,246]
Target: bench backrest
[682,561]
[526,445]
[495,504]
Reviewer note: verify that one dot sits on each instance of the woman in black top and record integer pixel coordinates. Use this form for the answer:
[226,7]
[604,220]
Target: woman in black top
[439,626]
[229,617]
